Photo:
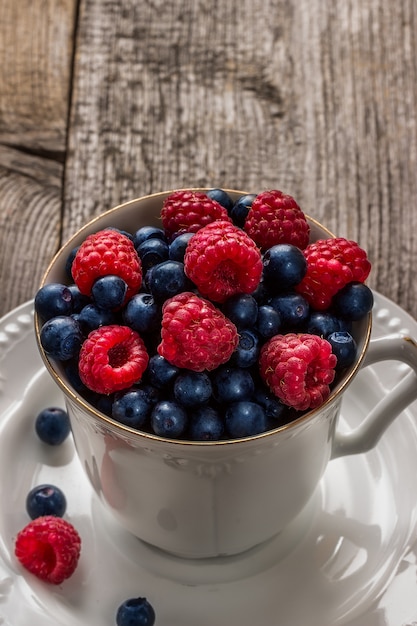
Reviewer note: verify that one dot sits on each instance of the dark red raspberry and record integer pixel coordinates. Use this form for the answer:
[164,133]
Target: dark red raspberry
[112,358]
[195,334]
[222,261]
[49,547]
[332,264]
[298,369]
[275,218]
[107,252]
[186,211]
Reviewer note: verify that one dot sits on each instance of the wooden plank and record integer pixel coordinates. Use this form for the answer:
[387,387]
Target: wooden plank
[36,48]
[30,223]
[315,97]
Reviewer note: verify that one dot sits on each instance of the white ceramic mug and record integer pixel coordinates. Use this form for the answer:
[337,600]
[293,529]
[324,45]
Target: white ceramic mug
[206,499]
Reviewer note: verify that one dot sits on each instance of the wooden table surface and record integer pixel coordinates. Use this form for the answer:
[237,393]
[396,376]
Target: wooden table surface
[102,101]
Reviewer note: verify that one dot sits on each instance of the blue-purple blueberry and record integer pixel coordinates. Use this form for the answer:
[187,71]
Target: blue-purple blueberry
[45,500]
[292,308]
[284,266]
[178,247]
[206,424]
[247,351]
[168,279]
[240,209]
[152,252]
[132,408]
[192,389]
[52,300]
[222,197]
[268,322]
[61,337]
[142,313]
[245,419]
[354,301]
[109,292]
[232,384]
[52,425]
[135,612]
[148,232]
[169,419]
[344,347]
[242,310]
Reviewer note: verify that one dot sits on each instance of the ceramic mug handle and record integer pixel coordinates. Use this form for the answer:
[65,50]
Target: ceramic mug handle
[389,348]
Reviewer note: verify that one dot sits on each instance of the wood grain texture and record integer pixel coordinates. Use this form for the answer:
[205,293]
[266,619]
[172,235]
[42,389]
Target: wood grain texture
[36,48]
[314,97]
[30,223]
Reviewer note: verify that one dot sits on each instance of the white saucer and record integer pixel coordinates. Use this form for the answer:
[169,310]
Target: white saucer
[351,558]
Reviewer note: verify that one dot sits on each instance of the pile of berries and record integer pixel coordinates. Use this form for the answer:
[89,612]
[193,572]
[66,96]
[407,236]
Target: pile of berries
[224,322]
[49,546]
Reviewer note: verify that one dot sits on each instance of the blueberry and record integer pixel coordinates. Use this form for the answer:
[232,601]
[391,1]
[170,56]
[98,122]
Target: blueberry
[103,403]
[152,252]
[322,323]
[52,300]
[73,376]
[109,292]
[273,407]
[160,372]
[168,419]
[192,388]
[79,300]
[91,317]
[261,294]
[284,266]
[69,261]
[61,337]
[132,407]
[151,393]
[135,612]
[247,350]
[206,424]
[354,301]
[147,232]
[126,233]
[242,310]
[146,280]
[167,280]
[45,500]
[142,313]
[222,197]
[178,247]
[293,309]
[268,322]
[52,425]
[344,347]
[240,209]
[232,384]
[245,419]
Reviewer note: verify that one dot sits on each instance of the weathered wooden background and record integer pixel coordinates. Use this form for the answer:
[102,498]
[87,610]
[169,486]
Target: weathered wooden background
[102,101]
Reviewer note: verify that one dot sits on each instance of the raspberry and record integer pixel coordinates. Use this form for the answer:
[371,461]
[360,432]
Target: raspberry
[275,218]
[331,264]
[188,211]
[195,335]
[222,260]
[107,252]
[112,358]
[298,369]
[49,547]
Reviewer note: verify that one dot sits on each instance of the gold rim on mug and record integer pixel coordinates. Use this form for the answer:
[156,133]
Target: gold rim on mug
[113,424]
